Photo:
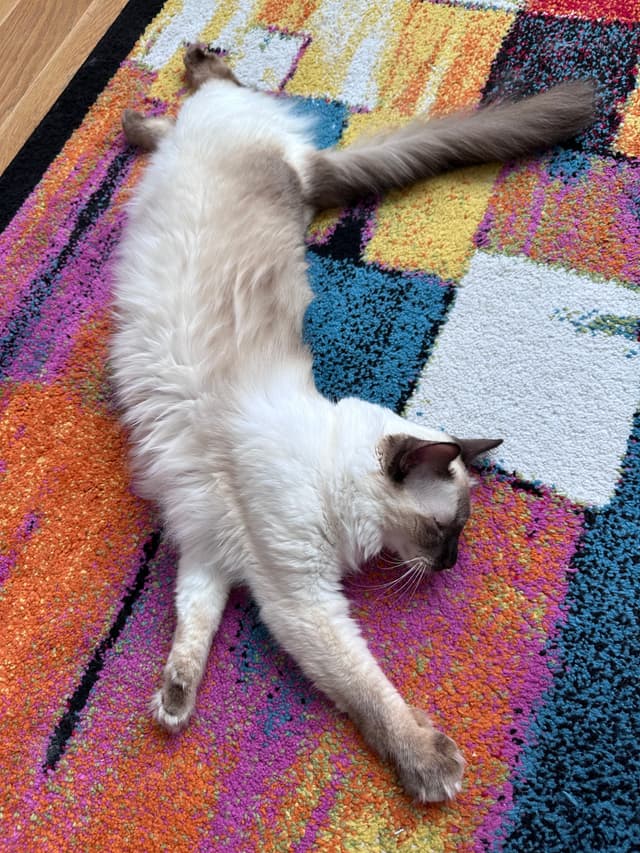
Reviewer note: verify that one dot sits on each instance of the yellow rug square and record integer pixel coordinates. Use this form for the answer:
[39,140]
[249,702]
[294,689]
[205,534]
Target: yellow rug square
[289,15]
[345,38]
[442,60]
[628,140]
[431,226]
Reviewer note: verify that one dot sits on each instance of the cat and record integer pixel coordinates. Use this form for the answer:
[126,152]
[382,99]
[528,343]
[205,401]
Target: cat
[263,481]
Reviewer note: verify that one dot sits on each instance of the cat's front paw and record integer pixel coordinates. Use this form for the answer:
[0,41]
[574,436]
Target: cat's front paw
[429,764]
[173,704]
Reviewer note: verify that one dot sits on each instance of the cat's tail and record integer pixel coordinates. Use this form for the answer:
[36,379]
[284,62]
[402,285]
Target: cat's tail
[422,148]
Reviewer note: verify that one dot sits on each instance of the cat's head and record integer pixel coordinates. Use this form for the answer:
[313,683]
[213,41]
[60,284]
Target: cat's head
[426,495]
[405,488]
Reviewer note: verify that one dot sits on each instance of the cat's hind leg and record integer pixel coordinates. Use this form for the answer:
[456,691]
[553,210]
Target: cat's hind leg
[202,63]
[201,595]
[145,131]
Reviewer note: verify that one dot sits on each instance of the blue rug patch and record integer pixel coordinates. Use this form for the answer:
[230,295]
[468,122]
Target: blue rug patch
[371,331]
[329,118]
[579,780]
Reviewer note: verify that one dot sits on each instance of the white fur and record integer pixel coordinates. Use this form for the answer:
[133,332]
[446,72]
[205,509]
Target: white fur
[261,479]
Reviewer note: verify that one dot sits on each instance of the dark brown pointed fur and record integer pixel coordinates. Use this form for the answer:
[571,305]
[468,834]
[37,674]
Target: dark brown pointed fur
[423,148]
[145,131]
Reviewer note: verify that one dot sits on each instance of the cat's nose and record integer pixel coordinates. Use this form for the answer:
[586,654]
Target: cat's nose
[448,557]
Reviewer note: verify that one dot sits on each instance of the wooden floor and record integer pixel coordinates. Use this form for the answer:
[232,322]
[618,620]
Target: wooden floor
[42,44]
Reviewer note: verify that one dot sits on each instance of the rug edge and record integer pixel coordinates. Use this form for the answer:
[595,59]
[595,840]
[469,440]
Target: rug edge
[47,140]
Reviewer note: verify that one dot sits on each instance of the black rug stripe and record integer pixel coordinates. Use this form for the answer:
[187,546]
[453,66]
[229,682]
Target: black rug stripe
[29,309]
[67,723]
[47,140]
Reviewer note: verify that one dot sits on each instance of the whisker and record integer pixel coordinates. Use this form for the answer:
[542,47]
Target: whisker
[398,564]
[404,585]
[415,577]
[400,593]
[387,584]
[419,577]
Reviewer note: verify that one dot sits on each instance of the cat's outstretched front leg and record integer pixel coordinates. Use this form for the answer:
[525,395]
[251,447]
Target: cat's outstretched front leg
[316,629]
[201,595]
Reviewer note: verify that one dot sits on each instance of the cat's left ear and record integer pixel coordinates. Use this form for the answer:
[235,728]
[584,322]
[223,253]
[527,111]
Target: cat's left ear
[403,453]
[472,447]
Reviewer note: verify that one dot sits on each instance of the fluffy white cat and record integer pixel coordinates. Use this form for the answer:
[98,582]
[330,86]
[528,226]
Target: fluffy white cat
[261,480]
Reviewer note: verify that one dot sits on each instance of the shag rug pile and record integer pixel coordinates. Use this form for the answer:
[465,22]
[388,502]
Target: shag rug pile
[500,300]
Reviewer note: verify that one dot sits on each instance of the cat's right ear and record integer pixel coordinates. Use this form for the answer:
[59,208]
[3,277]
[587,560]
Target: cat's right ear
[472,447]
[402,454]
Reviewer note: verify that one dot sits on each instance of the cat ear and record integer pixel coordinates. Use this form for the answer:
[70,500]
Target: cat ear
[472,447]
[403,453]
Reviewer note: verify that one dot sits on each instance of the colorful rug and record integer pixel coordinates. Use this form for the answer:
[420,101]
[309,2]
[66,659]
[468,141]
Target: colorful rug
[500,300]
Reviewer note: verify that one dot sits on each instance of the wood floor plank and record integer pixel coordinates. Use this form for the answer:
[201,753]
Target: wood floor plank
[42,44]
[28,35]
[6,8]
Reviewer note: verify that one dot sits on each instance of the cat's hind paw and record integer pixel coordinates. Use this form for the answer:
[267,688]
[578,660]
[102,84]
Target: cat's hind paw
[203,63]
[145,131]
